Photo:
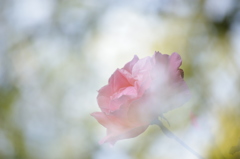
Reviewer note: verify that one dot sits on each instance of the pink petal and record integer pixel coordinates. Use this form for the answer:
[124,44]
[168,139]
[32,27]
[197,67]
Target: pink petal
[128,76]
[141,67]
[127,91]
[116,103]
[175,61]
[117,81]
[123,96]
[103,97]
[130,64]
[103,101]
[140,111]
[162,59]
[127,133]
[118,92]
[101,118]
[105,91]
[142,73]
[118,129]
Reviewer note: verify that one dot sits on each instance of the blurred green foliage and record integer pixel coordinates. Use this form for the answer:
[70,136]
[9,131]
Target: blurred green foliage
[53,58]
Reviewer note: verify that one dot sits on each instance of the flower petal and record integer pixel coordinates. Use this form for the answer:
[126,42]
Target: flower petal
[117,81]
[130,64]
[103,97]
[129,132]
[162,59]
[101,118]
[142,73]
[175,61]
[118,129]
[142,66]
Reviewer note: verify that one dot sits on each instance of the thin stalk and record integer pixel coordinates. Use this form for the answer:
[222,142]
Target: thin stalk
[169,134]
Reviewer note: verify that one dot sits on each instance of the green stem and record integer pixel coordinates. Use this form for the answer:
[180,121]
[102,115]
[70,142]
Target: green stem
[169,134]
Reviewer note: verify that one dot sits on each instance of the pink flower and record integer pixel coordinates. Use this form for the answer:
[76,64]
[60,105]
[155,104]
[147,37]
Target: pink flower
[138,93]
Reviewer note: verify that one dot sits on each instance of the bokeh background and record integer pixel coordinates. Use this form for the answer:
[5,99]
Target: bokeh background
[56,54]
